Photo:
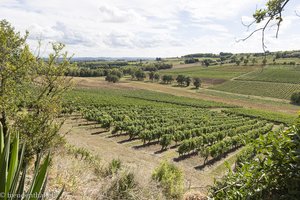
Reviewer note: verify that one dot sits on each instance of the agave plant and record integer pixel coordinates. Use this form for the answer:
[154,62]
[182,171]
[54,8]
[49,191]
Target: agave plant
[13,172]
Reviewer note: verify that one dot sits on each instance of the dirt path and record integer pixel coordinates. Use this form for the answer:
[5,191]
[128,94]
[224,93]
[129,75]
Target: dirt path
[142,161]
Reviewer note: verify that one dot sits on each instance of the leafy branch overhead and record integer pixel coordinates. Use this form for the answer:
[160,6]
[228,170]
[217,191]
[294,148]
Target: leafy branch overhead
[269,16]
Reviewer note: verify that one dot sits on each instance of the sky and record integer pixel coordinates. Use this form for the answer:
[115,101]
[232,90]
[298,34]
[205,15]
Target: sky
[147,28]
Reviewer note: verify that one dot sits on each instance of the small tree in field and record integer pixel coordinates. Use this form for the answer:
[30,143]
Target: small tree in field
[112,78]
[253,61]
[295,98]
[156,77]
[188,81]
[140,75]
[180,79]
[197,83]
[151,75]
[167,79]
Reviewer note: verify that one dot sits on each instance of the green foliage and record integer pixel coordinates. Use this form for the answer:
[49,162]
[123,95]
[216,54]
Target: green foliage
[273,173]
[170,179]
[140,75]
[165,141]
[13,174]
[31,91]
[112,78]
[197,83]
[167,79]
[295,98]
[113,167]
[124,186]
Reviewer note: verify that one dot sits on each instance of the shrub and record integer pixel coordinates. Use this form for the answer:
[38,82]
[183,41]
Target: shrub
[295,98]
[113,167]
[171,180]
[124,186]
[272,172]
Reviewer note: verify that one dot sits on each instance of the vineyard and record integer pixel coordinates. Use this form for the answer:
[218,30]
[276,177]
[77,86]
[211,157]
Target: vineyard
[276,74]
[169,122]
[215,72]
[266,89]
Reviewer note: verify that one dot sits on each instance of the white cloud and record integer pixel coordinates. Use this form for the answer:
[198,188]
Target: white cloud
[143,27]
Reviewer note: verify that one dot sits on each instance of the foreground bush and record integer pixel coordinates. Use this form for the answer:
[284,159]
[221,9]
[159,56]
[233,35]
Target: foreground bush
[270,171]
[171,180]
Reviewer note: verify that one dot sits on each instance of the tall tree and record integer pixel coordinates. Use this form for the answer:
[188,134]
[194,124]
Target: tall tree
[31,90]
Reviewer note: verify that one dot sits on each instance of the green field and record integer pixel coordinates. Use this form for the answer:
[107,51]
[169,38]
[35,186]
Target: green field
[265,89]
[136,97]
[215,72]
[278,74]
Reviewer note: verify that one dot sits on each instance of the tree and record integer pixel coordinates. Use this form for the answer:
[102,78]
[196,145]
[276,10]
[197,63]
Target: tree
[31,83]
[151,75]
[238,62]
[167,79]
[188,81]
[156,76]
[140,75]
[197,83]
[207,62]
[264,61]
[112,78]
[253,61]
[295,98]
[180,79]
[246,62]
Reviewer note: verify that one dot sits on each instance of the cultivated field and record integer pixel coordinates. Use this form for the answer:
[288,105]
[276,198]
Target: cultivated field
[257,88]
[277,74]
[212,72]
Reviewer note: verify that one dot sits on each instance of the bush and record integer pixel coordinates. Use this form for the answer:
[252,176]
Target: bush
[113,167]
[171,180]
[124,186]
[295,98]
[272,172]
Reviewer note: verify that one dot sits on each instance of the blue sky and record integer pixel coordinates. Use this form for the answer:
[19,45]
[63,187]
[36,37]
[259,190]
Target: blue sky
[153,28]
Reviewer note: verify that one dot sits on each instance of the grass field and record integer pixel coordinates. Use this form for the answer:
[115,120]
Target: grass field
[214,72]
[278,74]
[267,89]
